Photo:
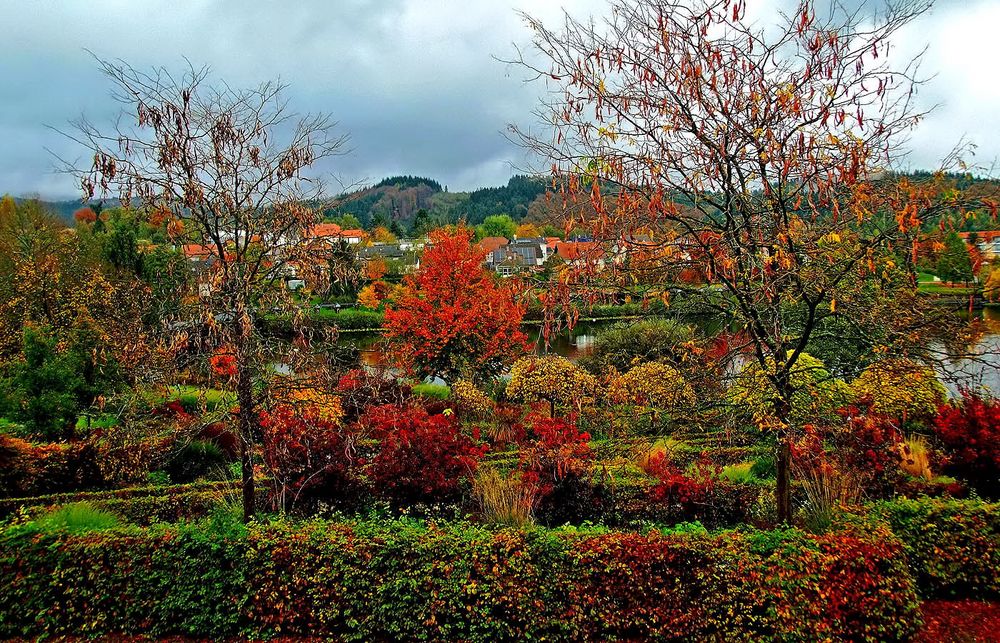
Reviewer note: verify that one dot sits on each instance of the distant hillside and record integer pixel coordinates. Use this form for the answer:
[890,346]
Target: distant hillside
[399,198]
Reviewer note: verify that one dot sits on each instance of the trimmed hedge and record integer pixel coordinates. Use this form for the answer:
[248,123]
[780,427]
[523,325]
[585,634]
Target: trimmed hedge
[406,580]
[953,546]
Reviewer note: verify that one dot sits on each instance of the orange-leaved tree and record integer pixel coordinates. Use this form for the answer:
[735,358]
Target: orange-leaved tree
[754,158]
[452,317]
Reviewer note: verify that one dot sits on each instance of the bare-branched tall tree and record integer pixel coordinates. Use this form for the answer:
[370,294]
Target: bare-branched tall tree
[225,168]
[755,157]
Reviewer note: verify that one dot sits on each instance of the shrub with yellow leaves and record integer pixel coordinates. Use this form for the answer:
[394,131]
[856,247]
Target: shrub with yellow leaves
[899,388]
[817,393]
[551,378]
[322,404]
[654,385]
[470,401]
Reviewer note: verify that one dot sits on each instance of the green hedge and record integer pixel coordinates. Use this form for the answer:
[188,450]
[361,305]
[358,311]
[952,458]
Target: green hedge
[953,546]
[406,580]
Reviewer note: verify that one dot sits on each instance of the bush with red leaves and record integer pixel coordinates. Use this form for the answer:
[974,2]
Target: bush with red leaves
[422,457]
[555,450]
[360,389]
[306,455]
[675,487]
[971,433]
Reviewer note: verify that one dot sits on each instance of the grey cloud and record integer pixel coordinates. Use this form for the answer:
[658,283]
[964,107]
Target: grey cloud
[413,82]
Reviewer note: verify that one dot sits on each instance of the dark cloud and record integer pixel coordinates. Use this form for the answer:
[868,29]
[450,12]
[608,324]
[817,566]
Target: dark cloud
[414,83]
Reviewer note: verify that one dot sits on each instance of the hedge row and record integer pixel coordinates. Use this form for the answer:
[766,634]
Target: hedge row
[411,581]
[953,546]
[120,497]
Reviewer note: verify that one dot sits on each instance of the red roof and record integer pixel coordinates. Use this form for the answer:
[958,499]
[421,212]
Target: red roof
[197,251]
[324,230]
[489,244]
[570,250]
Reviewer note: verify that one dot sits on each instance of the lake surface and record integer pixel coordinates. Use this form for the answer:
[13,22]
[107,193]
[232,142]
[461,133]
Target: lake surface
[983,370]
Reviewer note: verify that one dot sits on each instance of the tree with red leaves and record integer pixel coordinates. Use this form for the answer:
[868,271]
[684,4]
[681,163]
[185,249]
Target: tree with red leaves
[971,433]
[756,155]
[85,215]
[452,317]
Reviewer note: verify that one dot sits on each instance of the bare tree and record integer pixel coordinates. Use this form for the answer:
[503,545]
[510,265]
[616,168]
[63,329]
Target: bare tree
[756,156]
[225,169]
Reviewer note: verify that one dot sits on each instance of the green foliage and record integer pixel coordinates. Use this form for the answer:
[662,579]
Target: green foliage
[78,517]
[953,546]
[626,344]
[53,385]
[497,225]
[196,459]
[954,264]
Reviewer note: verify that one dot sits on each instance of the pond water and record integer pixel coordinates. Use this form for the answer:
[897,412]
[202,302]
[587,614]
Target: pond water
[574,343]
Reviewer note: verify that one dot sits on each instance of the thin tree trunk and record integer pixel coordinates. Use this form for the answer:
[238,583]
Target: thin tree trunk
[783,488]
[246,419]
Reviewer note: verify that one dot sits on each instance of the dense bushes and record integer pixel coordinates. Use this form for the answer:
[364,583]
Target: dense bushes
[971,432]
[408,581]
[953,546]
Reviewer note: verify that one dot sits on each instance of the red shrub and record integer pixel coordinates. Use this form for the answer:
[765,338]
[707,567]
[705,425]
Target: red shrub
[674,487]
[224,363]
[360,389]
[304,452]
[971,432]
[555,450]
[422,457]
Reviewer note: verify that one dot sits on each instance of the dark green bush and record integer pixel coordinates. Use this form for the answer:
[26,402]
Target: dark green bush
[953,546]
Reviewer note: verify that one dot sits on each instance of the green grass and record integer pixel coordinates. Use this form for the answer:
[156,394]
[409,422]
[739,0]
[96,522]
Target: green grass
[941,289]
[191,397]
[925,277]
[77,517]
[437,391]
[742,472]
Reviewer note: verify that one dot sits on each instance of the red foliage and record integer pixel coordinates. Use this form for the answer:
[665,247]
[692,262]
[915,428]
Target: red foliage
[870,442]
[677,487]
[555,450]
[971,432]
[422,457]
[963,620]
[224,363]
[85,215]
[303,451]
[360,389]
[453,316]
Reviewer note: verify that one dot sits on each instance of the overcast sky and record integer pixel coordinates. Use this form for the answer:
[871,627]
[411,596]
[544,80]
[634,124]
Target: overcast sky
[413,82]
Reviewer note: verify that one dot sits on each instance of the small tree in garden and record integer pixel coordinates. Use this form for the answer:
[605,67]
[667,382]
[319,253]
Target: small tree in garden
[452,318]
[304,451]
[900,389]
[552,379]
[970,430]
[755,156]
[422,457]
[224,170]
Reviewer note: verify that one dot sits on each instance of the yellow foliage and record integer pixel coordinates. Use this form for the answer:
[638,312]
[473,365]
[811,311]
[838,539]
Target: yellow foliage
[899,388]
[816,393]
[469,400]
[325,405]
[654,385]
[551,378]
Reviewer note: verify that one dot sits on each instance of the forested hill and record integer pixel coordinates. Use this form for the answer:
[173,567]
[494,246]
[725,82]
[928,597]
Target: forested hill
[398,200]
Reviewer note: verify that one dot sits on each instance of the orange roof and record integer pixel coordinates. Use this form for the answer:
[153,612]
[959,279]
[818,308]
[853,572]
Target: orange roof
[197,251]
[983,235]
[551,242]
[361,234]
[571,250]
[489,244]
[323,230]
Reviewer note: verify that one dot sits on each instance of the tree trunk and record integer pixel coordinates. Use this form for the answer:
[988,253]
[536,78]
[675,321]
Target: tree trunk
[783,451]
[783,488]
[247,421]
